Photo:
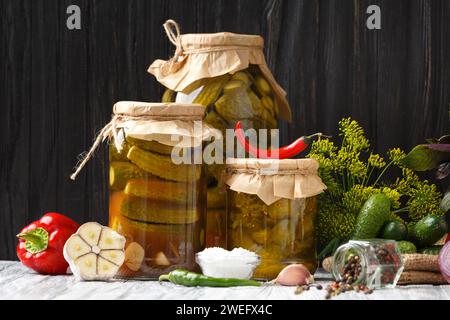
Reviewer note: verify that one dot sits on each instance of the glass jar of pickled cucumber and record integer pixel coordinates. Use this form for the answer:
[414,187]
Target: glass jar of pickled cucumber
[157,191]
[228,74]
[271,206]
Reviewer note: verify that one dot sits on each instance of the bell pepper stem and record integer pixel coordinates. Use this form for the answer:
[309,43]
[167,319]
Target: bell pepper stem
[36,240]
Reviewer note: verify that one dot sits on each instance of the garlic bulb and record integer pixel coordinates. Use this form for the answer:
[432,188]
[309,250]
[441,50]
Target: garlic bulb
[95,252]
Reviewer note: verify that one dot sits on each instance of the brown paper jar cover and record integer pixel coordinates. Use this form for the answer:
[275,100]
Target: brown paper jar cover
[210,55]
[274,179]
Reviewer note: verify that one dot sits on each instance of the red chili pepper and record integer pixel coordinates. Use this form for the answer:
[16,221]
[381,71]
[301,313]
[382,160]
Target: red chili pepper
[41,243]
[286,152]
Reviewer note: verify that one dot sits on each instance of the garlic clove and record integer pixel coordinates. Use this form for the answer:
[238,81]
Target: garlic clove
[77,247]
[115,256]
[87,263]
[90,232]
[106,269]
[161,259]
[109,240]
[134,255]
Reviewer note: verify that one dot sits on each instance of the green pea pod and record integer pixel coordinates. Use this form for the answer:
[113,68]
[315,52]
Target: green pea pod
[191,279]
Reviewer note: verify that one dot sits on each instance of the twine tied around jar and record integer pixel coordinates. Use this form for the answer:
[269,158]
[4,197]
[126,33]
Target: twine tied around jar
[111,129]
[173,33]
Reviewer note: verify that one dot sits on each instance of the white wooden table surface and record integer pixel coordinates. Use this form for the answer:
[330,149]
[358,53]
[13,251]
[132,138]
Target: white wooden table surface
[18,282]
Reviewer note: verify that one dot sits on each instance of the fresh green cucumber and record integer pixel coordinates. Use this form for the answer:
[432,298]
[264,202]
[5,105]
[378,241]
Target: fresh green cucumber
[429,230]
[372,216]
[406,247]
[394,230]
[433,250]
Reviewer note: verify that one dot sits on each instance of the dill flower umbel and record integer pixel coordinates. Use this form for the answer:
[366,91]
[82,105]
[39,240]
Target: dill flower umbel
[353,174]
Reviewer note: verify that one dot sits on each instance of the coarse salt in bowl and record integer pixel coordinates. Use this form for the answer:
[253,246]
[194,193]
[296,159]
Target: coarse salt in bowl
[217,262]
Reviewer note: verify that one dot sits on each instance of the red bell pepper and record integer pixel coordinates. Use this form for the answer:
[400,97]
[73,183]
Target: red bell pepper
[41,243]
[448,238]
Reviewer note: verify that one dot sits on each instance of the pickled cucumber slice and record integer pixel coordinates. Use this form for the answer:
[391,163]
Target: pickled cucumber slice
[280,209]
[121,172]
[149,228]
[144,210]
[162,166]
[161,190]
[115,155]
[215,198]
[216,171]
[152,146]
[261,236]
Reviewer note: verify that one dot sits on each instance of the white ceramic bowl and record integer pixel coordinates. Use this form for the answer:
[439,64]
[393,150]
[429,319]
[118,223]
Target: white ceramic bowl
[229,267]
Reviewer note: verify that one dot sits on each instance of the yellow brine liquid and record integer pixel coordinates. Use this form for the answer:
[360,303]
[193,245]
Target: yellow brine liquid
[158,206]
[282,233]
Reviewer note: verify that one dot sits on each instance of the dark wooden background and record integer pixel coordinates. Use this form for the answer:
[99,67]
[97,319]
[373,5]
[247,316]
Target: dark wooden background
[57,86]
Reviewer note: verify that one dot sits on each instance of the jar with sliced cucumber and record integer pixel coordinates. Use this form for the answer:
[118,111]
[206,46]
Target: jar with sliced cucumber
[228,75]
[157,203]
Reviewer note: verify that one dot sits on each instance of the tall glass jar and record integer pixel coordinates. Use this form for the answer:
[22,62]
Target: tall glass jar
[270,215]
[376,263]
[157,203]
[228,74]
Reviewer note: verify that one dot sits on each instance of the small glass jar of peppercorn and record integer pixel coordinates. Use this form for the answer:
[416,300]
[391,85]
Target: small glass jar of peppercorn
[374,263]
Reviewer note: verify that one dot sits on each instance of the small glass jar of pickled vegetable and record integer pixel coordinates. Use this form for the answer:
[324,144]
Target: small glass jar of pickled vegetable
[271,206]
[157,188]
[375,263]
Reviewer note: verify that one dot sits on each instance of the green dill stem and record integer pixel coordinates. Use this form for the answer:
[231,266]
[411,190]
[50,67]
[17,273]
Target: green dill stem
[370,175]
[365,175]
[405,209]
[382,173]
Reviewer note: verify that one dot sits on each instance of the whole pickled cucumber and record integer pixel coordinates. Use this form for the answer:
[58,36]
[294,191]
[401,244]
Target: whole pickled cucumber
[211,91]
[260,111]
[254,123]
[161,190]
[243,76]
[168,96]
[152,146]
[196,84]
[213,119]
[121,172]
[269,105]
[235,105]
[233,85]
[162,166]
[141,209]
[262,86]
